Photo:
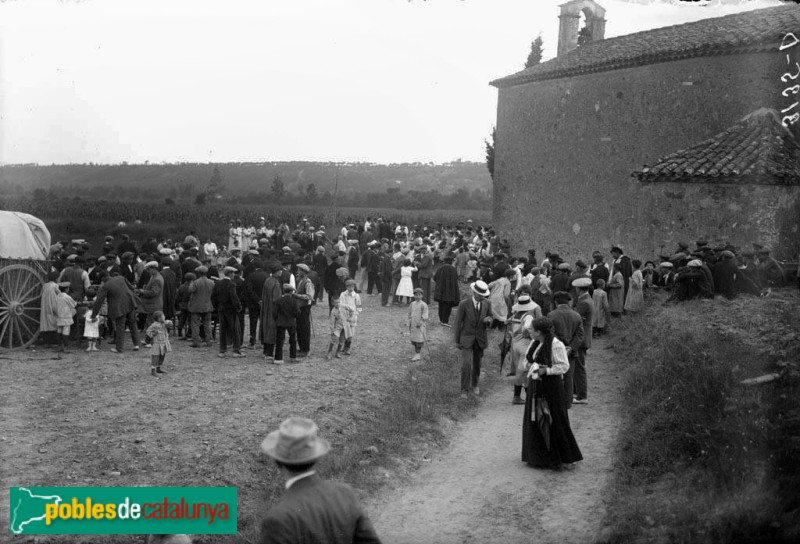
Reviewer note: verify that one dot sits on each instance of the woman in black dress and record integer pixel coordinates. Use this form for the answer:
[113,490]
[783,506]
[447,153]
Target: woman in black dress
[547,439]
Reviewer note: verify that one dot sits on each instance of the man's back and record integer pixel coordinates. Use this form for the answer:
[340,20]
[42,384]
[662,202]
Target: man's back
[567,325]
[314,511]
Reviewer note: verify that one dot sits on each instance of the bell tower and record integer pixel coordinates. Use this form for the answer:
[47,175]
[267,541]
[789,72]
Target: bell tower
[570,21]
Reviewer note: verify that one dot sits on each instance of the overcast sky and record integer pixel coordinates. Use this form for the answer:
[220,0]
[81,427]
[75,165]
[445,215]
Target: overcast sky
[107,81]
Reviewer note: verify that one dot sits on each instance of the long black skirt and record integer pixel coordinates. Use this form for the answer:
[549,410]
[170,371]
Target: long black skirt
[563,447]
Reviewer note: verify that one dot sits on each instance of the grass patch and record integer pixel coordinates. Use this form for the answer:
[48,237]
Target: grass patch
[701,458]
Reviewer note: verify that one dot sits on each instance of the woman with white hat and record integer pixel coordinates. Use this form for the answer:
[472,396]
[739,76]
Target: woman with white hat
[522,315]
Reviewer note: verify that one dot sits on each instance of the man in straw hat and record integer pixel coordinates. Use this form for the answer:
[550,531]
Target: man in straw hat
[473,316]
[312,509]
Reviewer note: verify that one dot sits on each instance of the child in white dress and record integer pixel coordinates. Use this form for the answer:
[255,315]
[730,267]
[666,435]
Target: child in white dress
[405,288]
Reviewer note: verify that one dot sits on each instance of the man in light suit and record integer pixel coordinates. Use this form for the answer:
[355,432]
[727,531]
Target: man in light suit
[473,316]
[312,510]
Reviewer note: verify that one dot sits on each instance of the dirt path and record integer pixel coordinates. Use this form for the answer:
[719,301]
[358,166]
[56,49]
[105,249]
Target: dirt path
[478,490]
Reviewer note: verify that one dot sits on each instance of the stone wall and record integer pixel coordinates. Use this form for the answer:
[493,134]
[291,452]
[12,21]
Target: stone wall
[566,148]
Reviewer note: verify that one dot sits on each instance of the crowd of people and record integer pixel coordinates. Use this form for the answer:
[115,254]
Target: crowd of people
[271,275]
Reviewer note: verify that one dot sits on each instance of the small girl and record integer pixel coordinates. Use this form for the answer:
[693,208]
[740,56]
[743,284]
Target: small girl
[91,329]
[405,288]
[158,338]
[339,318]
[65,307]
[351,300]
[417,320]
[601,317]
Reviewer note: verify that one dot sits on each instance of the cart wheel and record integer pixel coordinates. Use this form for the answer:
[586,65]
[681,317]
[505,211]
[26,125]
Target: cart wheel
[20,300]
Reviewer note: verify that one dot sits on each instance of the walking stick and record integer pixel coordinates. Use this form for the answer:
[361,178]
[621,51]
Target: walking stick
[311,319]
[427,346]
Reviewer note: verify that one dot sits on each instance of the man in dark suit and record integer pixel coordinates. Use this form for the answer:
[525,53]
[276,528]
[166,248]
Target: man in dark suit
[227,304]
[312,509]
[585,308]
[568,327]
[473,316]
[121,309]
[425,268]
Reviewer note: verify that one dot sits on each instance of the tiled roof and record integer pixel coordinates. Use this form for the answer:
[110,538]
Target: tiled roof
[757,30]
[758,149]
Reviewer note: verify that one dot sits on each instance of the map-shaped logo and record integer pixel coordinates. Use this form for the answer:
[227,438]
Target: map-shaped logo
[28,509]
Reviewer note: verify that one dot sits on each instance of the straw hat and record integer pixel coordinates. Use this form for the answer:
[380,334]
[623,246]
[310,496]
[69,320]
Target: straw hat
[295,442]
[480,288]
[524,304]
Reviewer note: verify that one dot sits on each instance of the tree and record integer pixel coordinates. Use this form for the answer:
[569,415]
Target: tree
[278,190]
[200,199]
[215,183]
[490,153]
[584,36]
[39,194]
[169,201]
[535,56]
[311,193]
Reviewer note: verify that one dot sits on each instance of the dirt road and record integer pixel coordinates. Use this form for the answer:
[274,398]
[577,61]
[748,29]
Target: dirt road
[478,490]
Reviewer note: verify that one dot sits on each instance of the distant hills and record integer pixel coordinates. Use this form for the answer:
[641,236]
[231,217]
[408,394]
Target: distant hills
[233,180]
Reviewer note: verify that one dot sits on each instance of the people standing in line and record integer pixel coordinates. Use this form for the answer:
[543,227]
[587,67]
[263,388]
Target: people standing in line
[473,317]
[585,308]
[200,306]
[311,510]
[568,327]
[417,322]
[635,299]
[547,439]
[227,305]
[446,292]
[305,296]
[121,309]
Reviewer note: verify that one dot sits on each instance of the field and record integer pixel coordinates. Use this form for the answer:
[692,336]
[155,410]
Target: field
[92,220]
[100,419]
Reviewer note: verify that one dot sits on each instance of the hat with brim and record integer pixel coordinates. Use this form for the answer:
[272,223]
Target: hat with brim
[563,266]
[350,282]
[165,251]
[480,288]
[666,264]
[582,282]
[304,267]
[295,442]
[696,263]
[524,304]
[151,264]
[287,288]
[201,270]
[419,290]
[229,269]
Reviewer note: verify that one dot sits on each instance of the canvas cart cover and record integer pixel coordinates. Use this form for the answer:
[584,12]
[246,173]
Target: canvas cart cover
[23,236]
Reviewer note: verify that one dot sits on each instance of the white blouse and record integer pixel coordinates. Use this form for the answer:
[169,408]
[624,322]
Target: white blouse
[559,356]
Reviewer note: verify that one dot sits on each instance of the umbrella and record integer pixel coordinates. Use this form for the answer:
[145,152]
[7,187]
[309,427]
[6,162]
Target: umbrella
[543,417]
[505,347]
